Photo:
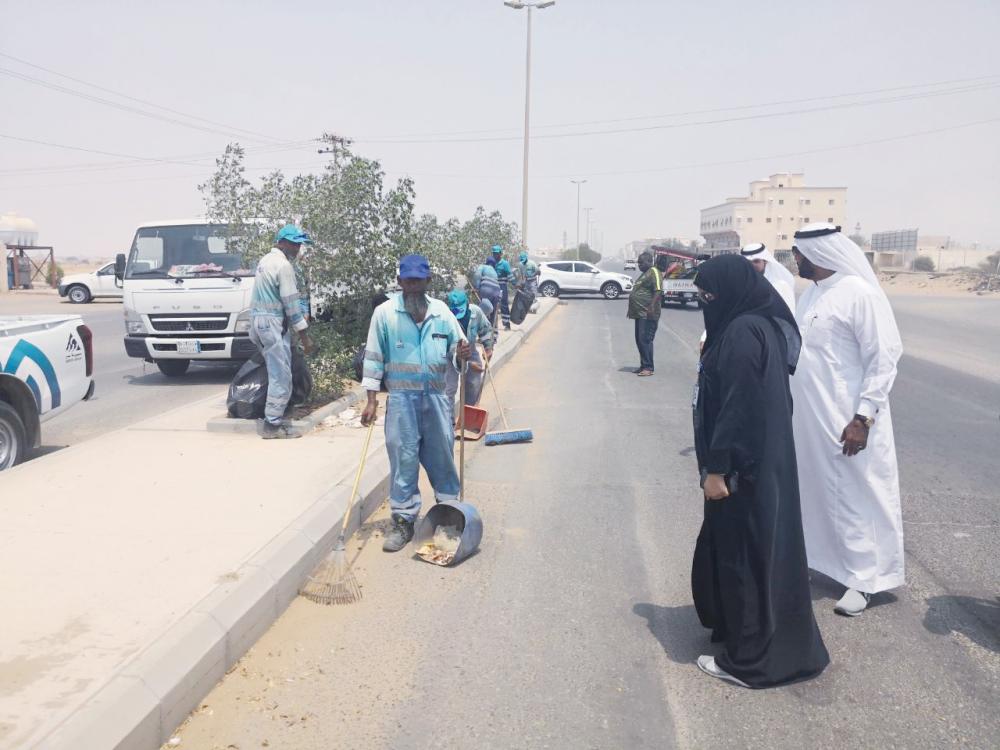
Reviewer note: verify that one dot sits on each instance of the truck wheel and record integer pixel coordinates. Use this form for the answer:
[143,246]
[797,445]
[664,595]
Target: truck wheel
[173,368]
[13,437]
[79,294]
[611,290]
[549,289]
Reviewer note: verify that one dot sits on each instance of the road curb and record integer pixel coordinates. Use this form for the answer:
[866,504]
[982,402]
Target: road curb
[142,705]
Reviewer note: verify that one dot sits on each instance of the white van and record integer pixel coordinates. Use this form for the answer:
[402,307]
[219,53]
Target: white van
[186,295]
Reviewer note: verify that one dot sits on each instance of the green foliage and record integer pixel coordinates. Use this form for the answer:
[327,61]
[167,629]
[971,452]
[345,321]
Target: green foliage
[332,364]
[923,263]
[989,266]
[361,227]
[585,253]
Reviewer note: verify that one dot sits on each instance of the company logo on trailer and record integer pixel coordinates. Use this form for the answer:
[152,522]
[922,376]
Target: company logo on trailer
[74,352]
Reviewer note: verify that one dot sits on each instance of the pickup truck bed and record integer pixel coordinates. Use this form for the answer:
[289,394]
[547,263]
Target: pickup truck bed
[46,366]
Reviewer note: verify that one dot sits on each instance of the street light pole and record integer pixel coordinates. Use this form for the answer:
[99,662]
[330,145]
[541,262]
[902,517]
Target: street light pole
[578,183]
[587,211]
[529,6]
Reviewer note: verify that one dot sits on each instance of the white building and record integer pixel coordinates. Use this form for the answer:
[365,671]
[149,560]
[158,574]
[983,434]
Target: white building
[771,213]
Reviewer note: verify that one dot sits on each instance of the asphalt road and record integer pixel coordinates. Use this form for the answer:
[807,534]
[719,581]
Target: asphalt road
[128,390]
[573,627]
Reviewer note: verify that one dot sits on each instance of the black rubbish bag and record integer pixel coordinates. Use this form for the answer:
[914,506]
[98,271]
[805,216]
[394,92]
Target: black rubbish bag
[522,303]
[248,391]
[302,381]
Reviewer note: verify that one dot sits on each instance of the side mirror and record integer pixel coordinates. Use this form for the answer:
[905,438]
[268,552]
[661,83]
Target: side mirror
[594,270]
[119,267]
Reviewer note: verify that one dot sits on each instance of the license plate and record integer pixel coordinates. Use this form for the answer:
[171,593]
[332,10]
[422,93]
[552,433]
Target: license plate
[189,347]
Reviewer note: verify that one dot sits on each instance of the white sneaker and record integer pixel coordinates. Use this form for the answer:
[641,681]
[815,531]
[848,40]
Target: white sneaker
[707,665]
[852,603]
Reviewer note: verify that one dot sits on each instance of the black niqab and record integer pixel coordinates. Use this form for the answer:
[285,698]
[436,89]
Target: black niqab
[740,290]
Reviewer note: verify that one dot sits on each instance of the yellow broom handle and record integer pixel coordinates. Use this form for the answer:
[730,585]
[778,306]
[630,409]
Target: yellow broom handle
[496,396]
[357,477]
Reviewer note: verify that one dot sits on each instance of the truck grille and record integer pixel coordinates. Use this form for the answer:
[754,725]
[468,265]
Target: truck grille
[188,322]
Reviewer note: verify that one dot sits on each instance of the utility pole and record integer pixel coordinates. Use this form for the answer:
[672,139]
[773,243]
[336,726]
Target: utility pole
[578,183]
[338,144]
[587,210]
[529,6]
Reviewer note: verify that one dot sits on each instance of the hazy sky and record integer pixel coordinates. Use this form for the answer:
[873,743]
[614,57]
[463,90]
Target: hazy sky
[378,71]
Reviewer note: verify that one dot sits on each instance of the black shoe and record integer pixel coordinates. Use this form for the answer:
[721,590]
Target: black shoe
[399,535]
[281,431]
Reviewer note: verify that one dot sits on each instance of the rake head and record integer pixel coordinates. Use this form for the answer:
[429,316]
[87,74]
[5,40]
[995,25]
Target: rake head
[333,582]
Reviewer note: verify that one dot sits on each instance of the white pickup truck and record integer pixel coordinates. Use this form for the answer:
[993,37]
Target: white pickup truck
[46,366]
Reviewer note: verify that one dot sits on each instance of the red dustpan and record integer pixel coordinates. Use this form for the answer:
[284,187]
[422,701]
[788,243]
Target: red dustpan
[476,420]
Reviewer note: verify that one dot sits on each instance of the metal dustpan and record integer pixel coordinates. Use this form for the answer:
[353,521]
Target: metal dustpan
[476,421]
[461,515]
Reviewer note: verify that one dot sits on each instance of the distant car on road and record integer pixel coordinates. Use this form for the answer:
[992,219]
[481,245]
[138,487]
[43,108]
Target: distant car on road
[579,277]
[84,287]
[681,290]
[631,265]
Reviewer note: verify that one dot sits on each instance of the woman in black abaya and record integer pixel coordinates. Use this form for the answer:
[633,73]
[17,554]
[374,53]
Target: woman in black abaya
[749,578]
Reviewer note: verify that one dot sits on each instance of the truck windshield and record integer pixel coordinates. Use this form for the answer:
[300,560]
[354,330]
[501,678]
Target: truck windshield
[188,251]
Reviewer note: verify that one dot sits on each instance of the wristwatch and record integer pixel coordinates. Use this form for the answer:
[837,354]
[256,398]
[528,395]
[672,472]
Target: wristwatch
[866,421]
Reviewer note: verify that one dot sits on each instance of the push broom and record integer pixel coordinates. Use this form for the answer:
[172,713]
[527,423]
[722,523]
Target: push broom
[507,435]
[334,581]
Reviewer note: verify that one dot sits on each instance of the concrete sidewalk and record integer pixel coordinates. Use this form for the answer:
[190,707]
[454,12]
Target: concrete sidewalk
[140,565]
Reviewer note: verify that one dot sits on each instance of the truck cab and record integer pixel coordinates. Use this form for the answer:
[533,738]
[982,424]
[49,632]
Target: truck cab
[186,295]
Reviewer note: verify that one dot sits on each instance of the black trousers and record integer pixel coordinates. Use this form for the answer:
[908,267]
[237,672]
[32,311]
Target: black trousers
[645,332]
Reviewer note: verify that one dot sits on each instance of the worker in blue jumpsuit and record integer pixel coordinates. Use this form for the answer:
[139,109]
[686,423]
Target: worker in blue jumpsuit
[412,342]
[505,274]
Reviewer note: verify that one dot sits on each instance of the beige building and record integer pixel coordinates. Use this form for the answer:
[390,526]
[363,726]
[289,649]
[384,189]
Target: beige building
[771,213]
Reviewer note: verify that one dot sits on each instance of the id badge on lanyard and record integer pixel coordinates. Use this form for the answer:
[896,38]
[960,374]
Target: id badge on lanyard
[697,386]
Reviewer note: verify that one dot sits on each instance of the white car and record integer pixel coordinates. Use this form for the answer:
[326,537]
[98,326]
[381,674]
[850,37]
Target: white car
[84,287]
[631,265]
[578,277]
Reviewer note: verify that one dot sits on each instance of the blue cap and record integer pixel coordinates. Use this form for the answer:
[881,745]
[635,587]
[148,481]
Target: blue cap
[497,250]
[414,267]
[293,234]
[458,302]
[523,257]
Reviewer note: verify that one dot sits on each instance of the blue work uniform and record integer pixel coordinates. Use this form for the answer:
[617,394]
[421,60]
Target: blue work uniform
[487,284]
[414,362]
[505,274]
[276,298]
[477,330]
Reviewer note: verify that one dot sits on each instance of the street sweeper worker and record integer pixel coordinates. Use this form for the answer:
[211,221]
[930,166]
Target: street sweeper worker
[506,275]
[527,273]
[473,320]
[274,308]
[413,340]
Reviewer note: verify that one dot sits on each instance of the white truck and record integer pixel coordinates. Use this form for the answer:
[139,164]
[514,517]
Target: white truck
[186,295]
[46,366]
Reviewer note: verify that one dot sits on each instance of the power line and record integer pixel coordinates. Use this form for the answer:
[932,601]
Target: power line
[791,154]
[672,126]
[713,110]
[617,173]
[138,161]
[132,98]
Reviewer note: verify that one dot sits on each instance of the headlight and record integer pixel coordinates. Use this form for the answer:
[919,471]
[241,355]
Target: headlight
[133,322]
[242,322]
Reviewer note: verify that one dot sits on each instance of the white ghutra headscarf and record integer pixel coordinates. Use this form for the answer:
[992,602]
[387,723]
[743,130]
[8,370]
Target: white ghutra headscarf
[826,247]
[779,276]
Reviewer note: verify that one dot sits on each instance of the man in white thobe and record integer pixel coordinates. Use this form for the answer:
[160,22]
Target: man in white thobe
[846,454]
[779,276]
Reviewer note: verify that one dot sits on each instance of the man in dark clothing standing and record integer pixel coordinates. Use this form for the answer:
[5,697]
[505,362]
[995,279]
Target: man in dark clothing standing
[644,304]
